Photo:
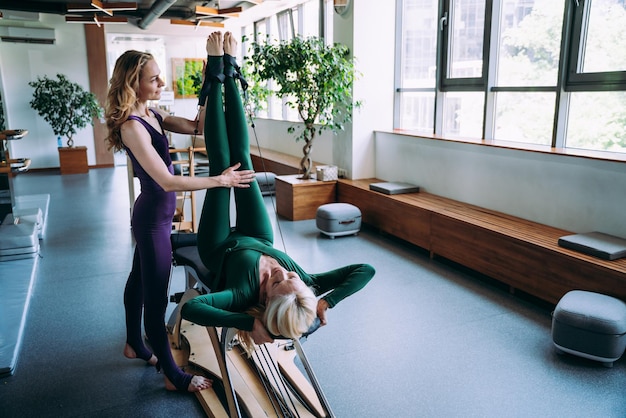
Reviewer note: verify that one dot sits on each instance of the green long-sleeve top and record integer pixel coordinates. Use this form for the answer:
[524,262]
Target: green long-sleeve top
[239,284]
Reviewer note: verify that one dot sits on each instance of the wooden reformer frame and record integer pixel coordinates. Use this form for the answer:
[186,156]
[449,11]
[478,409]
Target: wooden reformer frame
[269,383]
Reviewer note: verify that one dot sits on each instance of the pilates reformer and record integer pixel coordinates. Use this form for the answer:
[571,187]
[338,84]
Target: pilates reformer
[267,384]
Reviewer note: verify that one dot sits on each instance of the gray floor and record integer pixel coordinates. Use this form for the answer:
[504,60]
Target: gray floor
[424,339]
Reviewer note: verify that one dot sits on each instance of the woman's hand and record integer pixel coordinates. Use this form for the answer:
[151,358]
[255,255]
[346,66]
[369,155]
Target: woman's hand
[233,178]
[322,306]
[259,334]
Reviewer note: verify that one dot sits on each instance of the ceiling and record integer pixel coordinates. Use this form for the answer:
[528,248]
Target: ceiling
[164,9]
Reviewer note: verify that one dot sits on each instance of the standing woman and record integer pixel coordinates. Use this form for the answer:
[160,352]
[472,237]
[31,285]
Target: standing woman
[141,132]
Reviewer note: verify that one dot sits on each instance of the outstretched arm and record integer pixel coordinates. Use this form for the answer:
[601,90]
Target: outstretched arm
[138,140]
[218,310]
[341,283]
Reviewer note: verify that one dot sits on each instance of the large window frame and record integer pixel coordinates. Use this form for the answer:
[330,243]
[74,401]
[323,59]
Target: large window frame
[569,78]
[446,24]
[577,80]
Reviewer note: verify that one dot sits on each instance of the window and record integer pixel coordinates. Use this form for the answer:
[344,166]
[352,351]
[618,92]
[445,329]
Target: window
[526,71]
[463,27]
[416,72]
[547,72]
[304,20]
[529,43]
[463,114]
[597,49]
[596,76]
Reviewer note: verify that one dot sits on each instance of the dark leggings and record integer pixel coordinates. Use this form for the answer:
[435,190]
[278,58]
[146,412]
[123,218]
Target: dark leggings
[226,137]
[147,286]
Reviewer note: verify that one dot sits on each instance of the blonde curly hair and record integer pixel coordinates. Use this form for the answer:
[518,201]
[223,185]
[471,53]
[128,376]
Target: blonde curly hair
[122,95]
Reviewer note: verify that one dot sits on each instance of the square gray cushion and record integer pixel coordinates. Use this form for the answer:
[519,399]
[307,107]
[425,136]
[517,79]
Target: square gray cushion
[597,244]
[394,188]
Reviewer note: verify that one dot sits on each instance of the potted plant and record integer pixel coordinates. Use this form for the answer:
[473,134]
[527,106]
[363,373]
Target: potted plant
[65,105]
[315,78]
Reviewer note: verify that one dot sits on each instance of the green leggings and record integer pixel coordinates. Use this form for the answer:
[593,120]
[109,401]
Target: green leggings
[227,143]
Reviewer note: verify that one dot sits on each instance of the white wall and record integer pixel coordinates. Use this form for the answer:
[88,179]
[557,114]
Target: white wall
[21,63]
[273,135]
[572,193]
[370,38]
[180,42]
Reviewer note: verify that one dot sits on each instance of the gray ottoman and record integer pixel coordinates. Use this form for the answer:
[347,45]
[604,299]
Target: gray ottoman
[336,219]
[266,182]
[590,325]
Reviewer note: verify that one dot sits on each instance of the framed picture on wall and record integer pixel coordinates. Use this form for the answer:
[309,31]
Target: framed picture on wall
[186,77]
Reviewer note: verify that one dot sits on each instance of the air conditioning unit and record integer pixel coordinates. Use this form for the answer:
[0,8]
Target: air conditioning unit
[18,15]
[27,35]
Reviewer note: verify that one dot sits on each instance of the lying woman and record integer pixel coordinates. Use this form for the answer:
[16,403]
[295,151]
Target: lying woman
[257,289]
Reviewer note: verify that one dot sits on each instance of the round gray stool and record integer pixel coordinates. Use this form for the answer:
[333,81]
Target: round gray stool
[336,219]
[590,325]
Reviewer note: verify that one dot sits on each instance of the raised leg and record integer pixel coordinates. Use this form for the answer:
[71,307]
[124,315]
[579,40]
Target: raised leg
[252,217]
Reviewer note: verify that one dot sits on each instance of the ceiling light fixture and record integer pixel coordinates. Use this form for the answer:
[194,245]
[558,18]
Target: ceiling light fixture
[196,23]
[96,20]
[204,12]
[106,7]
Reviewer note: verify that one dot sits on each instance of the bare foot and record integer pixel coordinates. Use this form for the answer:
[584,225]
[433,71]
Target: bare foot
[197,384]
[130,353]
[230,44]
[215,44]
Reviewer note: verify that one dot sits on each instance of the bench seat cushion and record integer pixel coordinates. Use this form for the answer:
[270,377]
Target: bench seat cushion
[597,244]
[394,188]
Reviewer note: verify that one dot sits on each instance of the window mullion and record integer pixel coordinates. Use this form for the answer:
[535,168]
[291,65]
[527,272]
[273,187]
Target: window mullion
[559,130]
[442,50]
[492,71]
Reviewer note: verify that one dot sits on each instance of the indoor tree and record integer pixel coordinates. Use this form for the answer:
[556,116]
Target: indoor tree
[65,105]
[315,79]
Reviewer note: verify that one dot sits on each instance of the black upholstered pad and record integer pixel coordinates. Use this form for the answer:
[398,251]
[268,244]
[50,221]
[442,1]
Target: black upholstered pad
[189,256]
[597,244]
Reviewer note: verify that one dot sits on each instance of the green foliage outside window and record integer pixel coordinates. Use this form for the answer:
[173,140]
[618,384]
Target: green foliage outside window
[187,78]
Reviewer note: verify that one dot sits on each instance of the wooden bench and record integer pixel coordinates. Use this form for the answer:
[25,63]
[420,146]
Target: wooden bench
[273,161]
[276,162]
[523,254]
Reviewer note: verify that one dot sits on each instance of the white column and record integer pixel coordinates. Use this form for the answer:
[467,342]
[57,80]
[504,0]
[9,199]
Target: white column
[368,29]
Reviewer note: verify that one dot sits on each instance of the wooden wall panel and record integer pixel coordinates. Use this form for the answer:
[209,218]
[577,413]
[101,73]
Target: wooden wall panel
[98,85]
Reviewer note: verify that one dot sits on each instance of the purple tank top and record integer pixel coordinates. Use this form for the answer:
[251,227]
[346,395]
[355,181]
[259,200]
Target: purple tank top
[161,145]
